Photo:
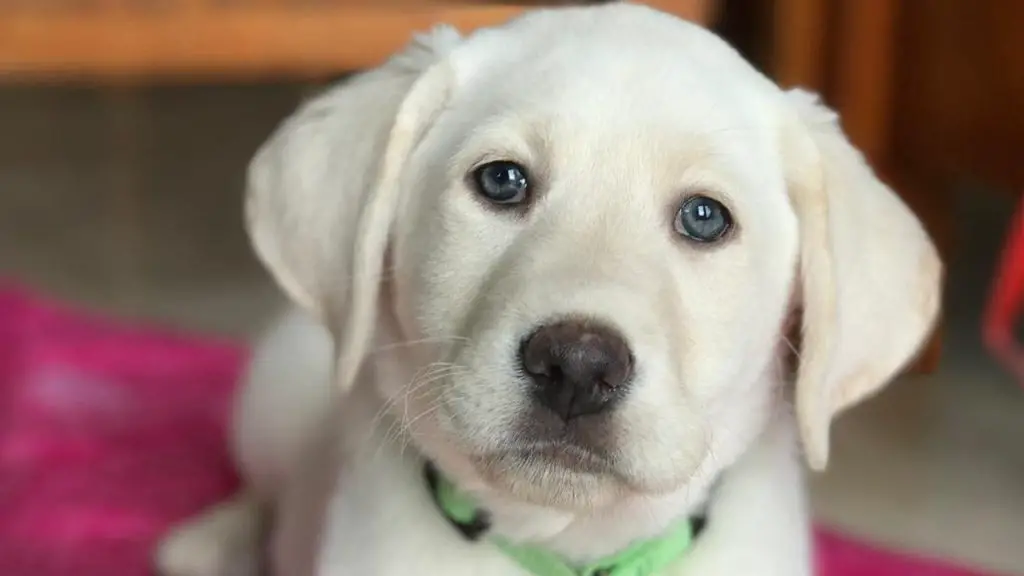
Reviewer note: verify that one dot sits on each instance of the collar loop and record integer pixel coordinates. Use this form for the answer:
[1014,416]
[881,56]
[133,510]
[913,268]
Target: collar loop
[643,558]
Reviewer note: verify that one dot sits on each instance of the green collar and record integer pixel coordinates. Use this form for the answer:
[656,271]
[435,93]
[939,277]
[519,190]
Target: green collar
[646,558]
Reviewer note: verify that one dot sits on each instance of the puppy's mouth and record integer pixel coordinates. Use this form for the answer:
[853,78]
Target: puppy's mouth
[542,440]
[544,448]
[552,473]
[566,455]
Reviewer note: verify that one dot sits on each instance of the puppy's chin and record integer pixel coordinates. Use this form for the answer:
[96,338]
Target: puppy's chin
[566,481]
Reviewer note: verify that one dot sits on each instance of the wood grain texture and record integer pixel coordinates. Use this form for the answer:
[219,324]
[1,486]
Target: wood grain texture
[960,100]
[863,92]
[233,39]
[863,73]
[222,45]
[799,51]
[848,50]
[958,104]
[703,12]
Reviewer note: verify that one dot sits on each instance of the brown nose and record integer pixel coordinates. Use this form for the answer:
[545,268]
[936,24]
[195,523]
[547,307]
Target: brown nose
[579,367]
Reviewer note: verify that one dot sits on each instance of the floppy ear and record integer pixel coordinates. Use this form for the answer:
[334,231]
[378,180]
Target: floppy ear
[869,274]
[323,190]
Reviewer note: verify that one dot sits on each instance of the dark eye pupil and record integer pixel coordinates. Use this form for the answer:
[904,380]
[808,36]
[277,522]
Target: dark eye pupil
[702,219]
[501,182]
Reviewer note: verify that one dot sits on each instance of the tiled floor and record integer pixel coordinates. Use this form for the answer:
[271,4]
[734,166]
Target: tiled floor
[129,203]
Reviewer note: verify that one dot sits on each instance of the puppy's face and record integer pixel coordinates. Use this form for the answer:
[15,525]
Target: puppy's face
[603,236]
[599,218]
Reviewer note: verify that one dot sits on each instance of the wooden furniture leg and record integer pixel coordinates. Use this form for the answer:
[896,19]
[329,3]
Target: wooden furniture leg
[852,66]
[863,95]
[799,49]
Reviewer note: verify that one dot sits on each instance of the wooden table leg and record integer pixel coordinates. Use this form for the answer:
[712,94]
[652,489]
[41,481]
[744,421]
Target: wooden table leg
[798,46]
[852,66]
[863,95]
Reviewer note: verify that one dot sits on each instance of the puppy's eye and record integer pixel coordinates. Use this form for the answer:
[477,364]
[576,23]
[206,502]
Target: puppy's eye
[702,219]
[502,182]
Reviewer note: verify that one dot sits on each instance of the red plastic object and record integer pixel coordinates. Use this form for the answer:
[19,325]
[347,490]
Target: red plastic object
[1006,300]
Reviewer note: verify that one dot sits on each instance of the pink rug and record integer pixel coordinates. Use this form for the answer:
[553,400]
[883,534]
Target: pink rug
[109,433]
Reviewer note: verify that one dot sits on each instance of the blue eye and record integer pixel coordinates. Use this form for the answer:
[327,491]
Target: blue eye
[702,219]
[502,182]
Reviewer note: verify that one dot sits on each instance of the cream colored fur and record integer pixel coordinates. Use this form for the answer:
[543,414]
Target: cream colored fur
[417,295]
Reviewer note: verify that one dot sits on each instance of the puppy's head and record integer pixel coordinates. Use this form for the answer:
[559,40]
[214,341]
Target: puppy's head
[601,218]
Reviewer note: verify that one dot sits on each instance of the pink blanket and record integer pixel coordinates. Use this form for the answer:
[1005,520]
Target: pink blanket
[109,433]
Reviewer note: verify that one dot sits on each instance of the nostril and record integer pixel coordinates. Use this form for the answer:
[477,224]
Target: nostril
[535,357]
[577,366]
[554,372]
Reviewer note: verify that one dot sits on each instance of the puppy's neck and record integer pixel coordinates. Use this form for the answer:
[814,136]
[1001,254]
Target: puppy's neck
[579,536]
[585,536]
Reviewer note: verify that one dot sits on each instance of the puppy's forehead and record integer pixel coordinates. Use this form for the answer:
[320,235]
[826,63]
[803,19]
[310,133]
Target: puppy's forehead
[597,76]
[613,50]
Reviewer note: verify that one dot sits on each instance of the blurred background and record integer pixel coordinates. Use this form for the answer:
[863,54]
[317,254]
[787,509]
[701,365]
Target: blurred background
[125,127]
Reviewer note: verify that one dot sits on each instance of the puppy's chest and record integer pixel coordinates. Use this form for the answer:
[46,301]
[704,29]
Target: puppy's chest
[374,536]
[407,553]
[412,547]
[390,528]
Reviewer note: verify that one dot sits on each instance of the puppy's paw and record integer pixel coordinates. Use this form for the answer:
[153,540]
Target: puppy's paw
[223,541]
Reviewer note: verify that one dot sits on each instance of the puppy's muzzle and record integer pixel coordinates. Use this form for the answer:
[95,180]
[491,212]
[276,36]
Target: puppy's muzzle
[577,367]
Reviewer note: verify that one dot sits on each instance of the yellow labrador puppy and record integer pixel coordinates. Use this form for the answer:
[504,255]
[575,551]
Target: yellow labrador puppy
[542,277]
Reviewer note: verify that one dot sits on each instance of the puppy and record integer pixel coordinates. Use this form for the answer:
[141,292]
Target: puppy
[542,276]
